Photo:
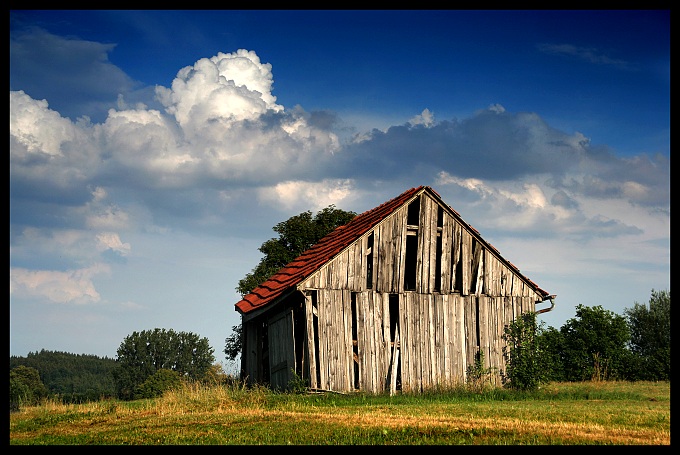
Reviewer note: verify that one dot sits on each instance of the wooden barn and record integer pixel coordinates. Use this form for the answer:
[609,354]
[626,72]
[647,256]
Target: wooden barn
[402,298]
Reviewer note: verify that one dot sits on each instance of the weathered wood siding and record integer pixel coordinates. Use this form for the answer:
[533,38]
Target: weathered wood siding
[281,355]
[461,302]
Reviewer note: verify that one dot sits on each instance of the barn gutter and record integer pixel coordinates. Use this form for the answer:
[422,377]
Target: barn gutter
[552,304]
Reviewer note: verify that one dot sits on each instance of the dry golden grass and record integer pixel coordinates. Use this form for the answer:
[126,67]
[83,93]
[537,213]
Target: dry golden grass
[565,414]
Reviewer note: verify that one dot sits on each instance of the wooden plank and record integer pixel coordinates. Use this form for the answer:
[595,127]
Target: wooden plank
[310,340]
[465,260]
[348,345]
[448,328]
[394,363]
[447,253]
[406,342]
[430,242]
[483,323]
[476,276]
[470,329]
[400,226]
[459,354]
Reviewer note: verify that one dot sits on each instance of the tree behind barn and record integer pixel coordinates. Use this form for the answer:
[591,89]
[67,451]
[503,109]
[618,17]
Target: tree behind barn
[296,235]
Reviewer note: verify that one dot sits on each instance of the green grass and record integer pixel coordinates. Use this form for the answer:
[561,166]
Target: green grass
[597,413]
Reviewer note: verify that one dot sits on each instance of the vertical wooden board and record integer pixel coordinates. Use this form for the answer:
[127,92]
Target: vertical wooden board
[459,342]
[497,320]
[491,330]
[432,338]
[515,284]
[338,366]
[351,268]
[455,254]
[362,340]
[383,338]
[361,264]
[517,306]
[504,278]
[492,275]
[483,324]
[394,234]
[359,272]
[402,226]
[466,260]
[378,261]
[322,278]
[310,342]
[405,341]
[447,253]
[348,348]
[507,319]
[415,331]
[486,284]
[338,322]
[386,324]
[412,324]
[440,348]
[421,351]
[471,335]
[384,264]
[477,271]
[454,338]
[431,240]
[420,277]
[322,339]
[338,270]
[435,337]
[329,333]
[370,345]
[447,332]
[328,275]
[328,308]
[432,215]
[253,357]
[426,339]
[376,334]
[331,337]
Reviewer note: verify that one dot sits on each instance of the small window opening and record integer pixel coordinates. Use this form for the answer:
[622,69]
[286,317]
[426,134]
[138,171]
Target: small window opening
[369,262]
[411,262]
[414,212]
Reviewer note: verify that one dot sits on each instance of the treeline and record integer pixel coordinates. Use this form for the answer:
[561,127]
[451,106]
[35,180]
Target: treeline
[147,363]
[72,378]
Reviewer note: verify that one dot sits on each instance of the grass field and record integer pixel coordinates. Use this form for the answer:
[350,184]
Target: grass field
[591,413]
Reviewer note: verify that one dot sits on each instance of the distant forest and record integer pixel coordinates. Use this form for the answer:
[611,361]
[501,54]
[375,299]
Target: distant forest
[75,378]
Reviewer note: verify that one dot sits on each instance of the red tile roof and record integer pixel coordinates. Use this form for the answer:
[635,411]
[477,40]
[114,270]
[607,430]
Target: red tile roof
[328,247]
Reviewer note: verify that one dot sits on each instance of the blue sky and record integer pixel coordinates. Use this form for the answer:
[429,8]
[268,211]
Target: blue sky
[152,152]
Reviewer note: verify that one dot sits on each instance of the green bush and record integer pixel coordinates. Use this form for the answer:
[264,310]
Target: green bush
[158,383]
